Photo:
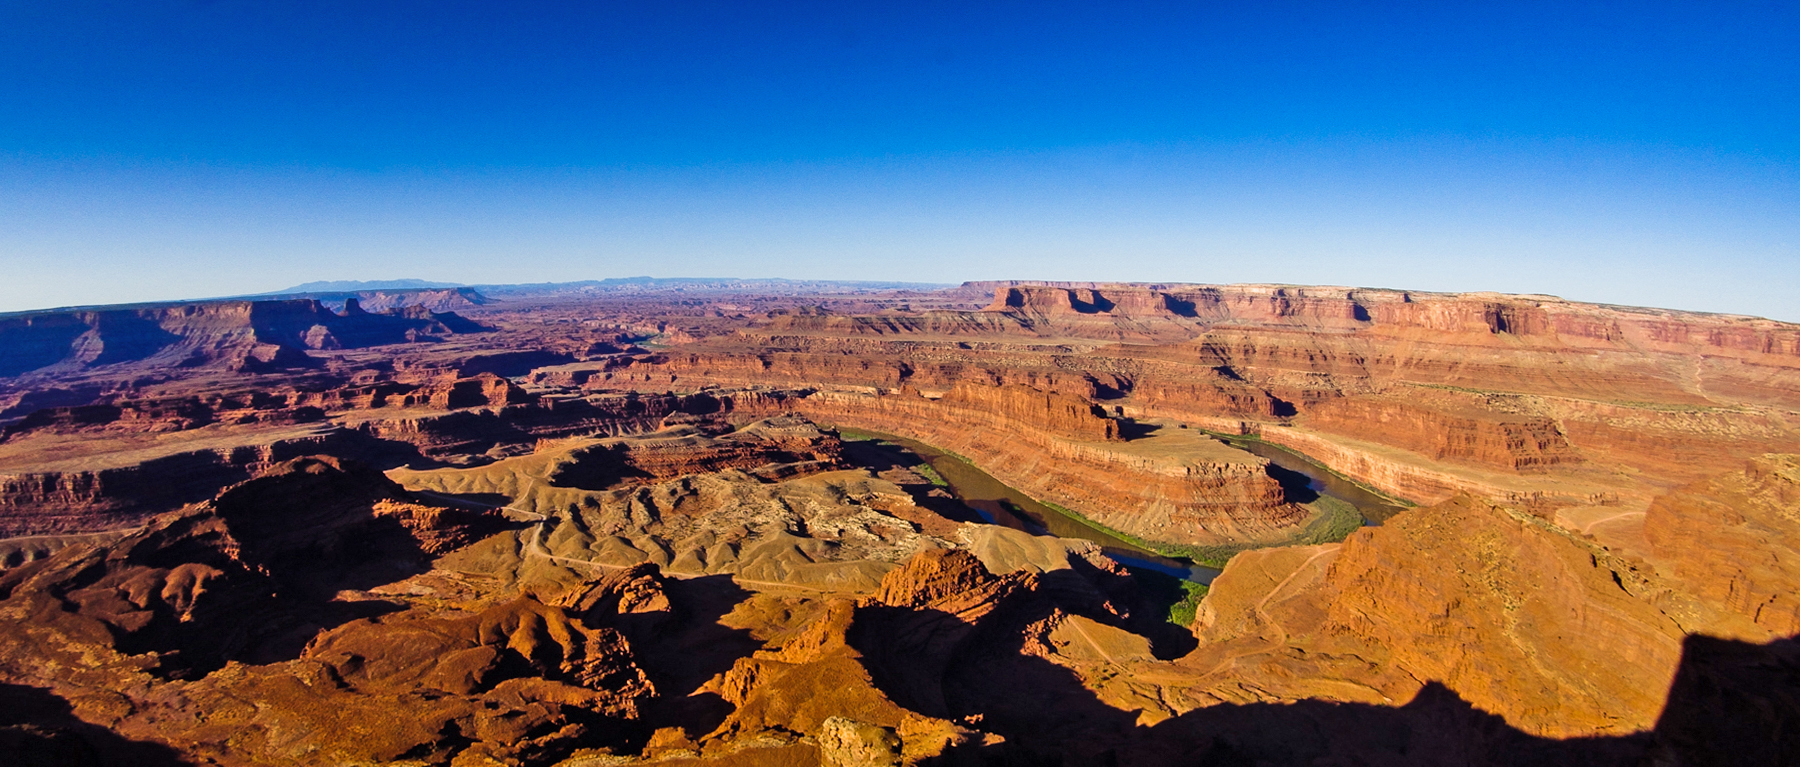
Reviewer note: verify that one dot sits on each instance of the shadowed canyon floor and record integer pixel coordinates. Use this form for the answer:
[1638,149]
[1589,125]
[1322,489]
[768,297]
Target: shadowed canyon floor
[630,524]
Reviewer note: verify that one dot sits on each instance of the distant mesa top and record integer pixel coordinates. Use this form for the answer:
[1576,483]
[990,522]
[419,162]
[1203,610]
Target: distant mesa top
[732,522]
[332,286]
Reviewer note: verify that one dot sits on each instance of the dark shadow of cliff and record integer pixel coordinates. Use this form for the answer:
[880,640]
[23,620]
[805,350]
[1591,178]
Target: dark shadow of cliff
[878,457]
[681,654]
[287,556]
[271,611]
[596,468]
[1295,487]
[39,729]
[1130,429]
[1732,703]
[1151,597]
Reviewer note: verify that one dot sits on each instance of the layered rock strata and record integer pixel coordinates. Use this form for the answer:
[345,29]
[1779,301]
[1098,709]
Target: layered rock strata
[1524,399]
[1731,540]
[1179,488]
[246,335]
[1485,601]
[1512,442]
[121,489]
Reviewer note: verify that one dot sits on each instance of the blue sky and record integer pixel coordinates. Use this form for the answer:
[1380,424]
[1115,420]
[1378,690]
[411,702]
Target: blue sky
[1637,153]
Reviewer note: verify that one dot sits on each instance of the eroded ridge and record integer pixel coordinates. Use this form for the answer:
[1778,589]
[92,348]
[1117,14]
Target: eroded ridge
[584,526]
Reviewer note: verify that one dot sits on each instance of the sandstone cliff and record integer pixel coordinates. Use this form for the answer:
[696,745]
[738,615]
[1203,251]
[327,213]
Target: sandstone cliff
[247,335]
[1555,634]
[1196,491]
[1514,442]
[1732,540]
[121,489]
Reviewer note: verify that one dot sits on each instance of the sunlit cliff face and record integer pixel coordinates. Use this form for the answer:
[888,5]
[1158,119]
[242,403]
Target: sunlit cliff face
[656,525]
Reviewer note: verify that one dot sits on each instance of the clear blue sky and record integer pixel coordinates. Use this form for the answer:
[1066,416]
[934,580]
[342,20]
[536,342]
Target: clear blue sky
[1641,153]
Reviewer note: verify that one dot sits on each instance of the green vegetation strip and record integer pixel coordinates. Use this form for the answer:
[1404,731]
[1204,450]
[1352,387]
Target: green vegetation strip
[925,470]
[1182,613]
[1335,520]
[1177,600]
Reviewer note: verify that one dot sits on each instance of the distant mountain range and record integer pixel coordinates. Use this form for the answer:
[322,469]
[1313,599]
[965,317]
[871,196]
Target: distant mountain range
[612,284]
[350,286]
[770,285]
[334,292]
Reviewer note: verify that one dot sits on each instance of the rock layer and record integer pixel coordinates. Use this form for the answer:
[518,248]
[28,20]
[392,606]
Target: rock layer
[597,553]
[1731,538]
[1196,492]
[246,335]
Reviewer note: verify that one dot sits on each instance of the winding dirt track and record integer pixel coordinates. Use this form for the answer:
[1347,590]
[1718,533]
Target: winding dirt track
[1267,619]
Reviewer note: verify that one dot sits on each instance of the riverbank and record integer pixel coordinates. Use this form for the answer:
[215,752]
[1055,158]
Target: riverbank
[1338,506]
[1375,505]
[1002,504]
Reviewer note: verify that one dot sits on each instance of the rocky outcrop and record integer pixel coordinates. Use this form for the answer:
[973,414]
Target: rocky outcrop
[680,451]
[1464,594]
[919,621]
[1199,304]
[229,586]
[1199,492]
[484,390]
[244,335]
[121,491]
[442,300]
[422,655]
[1731,539]
[160,587]
[769,503]
[1510,442]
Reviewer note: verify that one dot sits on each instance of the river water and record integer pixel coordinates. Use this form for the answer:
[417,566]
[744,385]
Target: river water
[1317,478]
[1002,504]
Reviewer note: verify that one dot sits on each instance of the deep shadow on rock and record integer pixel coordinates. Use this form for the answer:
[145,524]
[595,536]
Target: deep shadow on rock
[252,575]
[683,653]
[878,457]
[38,729]
[1732,703]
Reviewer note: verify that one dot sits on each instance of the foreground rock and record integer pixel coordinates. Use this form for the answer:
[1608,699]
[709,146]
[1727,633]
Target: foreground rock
[203,631]
[607,532]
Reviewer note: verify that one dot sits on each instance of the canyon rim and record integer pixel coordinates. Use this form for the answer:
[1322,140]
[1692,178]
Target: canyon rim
[765,523]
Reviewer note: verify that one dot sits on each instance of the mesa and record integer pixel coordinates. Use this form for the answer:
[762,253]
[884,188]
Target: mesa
[1018,522]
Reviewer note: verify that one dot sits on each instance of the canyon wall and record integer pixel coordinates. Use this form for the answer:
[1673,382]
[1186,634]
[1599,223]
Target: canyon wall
[1509,442]
[1326,308]
[1730,539]
[1055,448]
[243,334]
[110,497]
